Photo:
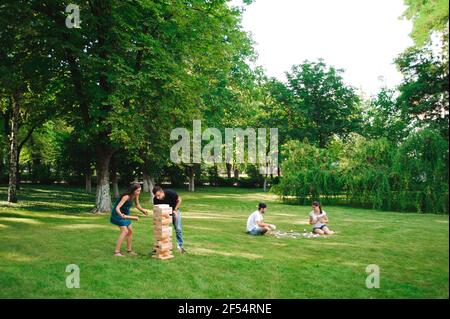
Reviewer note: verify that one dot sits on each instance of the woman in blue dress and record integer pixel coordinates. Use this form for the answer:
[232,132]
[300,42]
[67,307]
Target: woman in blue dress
[120,211]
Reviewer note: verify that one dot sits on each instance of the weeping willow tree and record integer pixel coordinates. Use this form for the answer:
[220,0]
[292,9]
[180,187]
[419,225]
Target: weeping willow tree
[308,173]
[421,173]
[376,173]
[365,172]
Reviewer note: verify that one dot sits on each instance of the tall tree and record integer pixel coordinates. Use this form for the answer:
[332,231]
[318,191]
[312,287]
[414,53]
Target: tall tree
[424,91]
[26,71]
[383,117]
[427,17]
[322,102]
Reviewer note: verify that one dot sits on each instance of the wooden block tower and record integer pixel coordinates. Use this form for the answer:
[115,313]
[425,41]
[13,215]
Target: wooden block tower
[162,230]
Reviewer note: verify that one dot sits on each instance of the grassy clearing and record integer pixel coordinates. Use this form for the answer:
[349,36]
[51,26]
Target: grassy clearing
[50,228]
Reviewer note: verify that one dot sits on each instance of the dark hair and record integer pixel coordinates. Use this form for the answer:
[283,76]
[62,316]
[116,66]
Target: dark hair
[131,189]
[261,206]
[317,203]
[156,189]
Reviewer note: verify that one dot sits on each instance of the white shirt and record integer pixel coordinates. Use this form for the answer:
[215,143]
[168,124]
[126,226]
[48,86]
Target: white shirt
[315,218]
[253,220]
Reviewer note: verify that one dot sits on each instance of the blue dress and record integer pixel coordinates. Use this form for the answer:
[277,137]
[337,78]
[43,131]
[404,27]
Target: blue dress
[125,209]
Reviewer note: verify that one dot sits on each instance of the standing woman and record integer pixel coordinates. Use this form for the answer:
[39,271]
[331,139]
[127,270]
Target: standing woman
[118,214]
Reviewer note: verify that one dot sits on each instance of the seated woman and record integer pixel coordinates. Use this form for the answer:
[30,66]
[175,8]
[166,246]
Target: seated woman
[319,219]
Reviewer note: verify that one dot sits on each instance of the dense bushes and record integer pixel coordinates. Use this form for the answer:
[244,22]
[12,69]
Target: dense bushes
[307,172]
[376,173]
[421,173]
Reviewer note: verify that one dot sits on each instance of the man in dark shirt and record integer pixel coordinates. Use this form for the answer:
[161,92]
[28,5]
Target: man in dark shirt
[171,198]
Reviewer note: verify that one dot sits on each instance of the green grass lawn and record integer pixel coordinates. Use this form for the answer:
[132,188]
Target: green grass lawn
[51,228]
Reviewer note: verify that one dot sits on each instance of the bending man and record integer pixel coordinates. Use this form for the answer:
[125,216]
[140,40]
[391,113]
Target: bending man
[171,198]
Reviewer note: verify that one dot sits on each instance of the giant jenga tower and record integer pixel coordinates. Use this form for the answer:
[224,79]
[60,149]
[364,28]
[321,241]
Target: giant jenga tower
[162,230]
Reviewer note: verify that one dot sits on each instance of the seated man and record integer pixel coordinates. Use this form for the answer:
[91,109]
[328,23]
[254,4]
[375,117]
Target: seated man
[255,224]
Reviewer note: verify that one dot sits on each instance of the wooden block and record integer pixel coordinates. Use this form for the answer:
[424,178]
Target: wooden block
[163,237]
[167,243]
[163,257]
[162,211]
[162,206]
[164,230]
[166,246]
[165,209]
[162,223]
[161,232]
[135,218]
[160,219]
[163,252]
[163,241]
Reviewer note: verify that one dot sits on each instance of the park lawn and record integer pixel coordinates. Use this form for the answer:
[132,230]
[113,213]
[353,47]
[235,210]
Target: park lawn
[51,228]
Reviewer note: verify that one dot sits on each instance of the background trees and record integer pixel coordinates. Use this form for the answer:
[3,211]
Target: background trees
[95,106]
[322,105]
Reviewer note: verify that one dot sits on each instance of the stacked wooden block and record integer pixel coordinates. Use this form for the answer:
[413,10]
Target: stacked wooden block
[162,230]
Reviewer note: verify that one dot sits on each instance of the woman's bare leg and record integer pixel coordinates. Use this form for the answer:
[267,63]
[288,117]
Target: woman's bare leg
[129,237]
[123,234]
[318,231]
[327,231]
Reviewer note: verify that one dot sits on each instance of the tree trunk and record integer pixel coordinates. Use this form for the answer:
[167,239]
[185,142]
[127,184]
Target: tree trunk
[88,179]
[191,177]
[12,190]
[103,196]
[115,184]
[229,166]
[265,184]
[149,182]
[18,168]
[19,150]
[145,183]
[236,174]
[192,183]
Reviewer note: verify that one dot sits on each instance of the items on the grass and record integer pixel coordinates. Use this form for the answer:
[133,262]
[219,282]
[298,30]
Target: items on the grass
[294,235]
[162,231]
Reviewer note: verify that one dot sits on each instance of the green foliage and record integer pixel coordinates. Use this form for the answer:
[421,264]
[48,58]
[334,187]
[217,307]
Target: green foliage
[365,168]
[424,92]
[322,104]
[421,173]
[308,173]
[375,173]
[427,16]
[383,117]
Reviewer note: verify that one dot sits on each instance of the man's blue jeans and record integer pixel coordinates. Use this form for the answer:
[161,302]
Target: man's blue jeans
[176,220]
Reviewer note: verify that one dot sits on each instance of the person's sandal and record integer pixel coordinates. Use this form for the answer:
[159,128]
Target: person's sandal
[119,254]
[132,253]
